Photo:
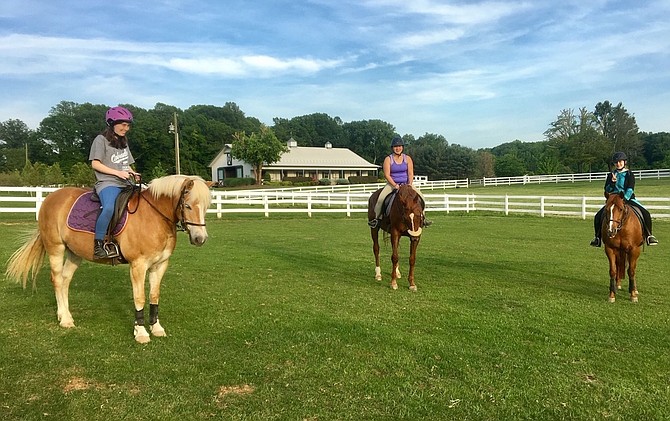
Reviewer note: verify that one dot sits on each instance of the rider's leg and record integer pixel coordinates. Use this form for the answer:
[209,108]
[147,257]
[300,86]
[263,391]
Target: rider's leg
[651,240]
[597,226]
[108,197]
[378,206]
[426,222]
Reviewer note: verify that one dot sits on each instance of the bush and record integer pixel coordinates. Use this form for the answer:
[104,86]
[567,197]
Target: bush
[236,182]
[342,181]
[295,180]
[325,182]
[12,179]
[363,179]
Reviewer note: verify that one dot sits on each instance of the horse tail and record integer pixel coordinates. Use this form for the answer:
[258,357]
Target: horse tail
[621,264]
[26,260]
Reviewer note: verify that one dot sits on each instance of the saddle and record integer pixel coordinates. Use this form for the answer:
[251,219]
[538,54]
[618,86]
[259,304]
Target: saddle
[84,214]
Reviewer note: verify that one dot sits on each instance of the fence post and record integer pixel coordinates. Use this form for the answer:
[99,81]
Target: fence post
[542,206]
[583,207]
[309,205]
[348,204]
[39,198]
[266,205]
[506,205]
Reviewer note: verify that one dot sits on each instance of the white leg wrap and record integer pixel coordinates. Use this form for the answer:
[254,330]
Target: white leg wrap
[156,329]
[141,334]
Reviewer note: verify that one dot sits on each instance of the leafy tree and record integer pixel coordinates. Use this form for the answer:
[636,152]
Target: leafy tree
[258,149]
[311,130]
[485,164]
[656,149]
[14,139]
[371,139]
[81,174]
[509,165]
[620,131]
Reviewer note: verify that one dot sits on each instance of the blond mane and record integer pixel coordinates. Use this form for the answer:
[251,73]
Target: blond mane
[171,186]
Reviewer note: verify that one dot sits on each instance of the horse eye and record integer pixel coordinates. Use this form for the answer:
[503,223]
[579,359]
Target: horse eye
[187,206]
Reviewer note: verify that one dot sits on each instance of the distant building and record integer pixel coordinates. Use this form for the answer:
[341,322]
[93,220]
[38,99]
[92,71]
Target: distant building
[299,161]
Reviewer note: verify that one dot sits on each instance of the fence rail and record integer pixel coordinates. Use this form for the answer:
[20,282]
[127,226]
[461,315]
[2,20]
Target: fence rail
[267,202]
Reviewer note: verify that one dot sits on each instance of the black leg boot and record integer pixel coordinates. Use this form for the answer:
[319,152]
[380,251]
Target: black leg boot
[98,250]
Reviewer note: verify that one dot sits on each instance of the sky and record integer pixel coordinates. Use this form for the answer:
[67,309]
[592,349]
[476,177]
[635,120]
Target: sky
[479,73]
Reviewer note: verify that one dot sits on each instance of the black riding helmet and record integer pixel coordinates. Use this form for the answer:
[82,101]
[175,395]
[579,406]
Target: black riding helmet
[619,156]
[397,141]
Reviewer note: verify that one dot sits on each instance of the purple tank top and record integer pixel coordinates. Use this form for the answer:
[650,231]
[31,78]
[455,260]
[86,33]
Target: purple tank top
[399,171]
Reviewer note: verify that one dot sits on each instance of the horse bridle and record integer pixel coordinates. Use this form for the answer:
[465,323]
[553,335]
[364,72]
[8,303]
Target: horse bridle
[619,222]
[181,224]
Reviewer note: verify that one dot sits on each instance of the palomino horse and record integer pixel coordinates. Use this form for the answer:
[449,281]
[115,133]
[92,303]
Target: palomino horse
[622,236]
[146,242]
[404,218]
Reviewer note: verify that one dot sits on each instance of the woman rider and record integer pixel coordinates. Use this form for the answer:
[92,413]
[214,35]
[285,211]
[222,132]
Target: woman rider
[622,180]
[398,169]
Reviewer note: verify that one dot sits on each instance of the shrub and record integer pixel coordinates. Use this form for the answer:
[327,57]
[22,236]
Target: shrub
[298,179]
[343,181]
[363,179]
[240,181]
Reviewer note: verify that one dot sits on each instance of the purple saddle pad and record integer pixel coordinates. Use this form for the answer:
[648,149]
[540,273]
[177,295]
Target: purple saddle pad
[84,214]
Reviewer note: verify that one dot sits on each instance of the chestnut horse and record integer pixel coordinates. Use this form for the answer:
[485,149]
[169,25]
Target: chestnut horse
[622,236]
[146,242]
[404,218]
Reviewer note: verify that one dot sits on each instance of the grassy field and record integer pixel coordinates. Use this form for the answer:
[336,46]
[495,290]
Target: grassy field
[280,319]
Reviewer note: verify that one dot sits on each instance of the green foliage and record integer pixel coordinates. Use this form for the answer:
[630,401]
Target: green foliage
[11,179]
[238,181]
[258,149]
[157,171]
[509,165]
[363,179]
[297,179]
[81,174]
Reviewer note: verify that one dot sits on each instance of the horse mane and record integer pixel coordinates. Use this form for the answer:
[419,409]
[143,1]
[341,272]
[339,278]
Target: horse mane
[406,192]
[171,186]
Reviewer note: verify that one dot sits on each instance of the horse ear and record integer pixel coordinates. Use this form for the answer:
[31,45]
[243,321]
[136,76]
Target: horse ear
[607,195]
[210,183]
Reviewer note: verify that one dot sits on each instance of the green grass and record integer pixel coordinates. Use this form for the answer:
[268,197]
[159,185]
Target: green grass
[280,319]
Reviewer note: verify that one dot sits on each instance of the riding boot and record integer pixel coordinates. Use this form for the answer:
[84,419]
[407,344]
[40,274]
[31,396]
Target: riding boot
[99,251]
[373,223]
[426,222]
[595,242]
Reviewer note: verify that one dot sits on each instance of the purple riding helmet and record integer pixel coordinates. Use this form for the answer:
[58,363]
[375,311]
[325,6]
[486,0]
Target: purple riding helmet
[117,115]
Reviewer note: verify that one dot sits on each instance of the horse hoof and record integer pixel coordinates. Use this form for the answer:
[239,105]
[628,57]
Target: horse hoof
[67,324]
[157,330]
[412,288]
[633,299]
[378,277]
[611,299]
[394,287]
[618,287]
[141,335]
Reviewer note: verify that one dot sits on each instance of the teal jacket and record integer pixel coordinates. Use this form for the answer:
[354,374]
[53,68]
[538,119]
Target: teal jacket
[625,183]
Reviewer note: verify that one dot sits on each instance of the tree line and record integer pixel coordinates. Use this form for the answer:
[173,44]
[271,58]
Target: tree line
[577,141]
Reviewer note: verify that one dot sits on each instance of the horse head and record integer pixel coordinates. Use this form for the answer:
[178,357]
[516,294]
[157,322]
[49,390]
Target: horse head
[412,209]
[617,212]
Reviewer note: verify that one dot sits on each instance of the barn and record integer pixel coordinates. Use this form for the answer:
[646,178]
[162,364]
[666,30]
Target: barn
[317,163]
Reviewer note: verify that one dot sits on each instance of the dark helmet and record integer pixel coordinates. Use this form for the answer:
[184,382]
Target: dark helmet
[619,156]
[117,115]
[397,141]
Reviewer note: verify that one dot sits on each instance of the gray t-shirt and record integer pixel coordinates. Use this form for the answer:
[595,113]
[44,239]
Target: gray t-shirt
[119,159]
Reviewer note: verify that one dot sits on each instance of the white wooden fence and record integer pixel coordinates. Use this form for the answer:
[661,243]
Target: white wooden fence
[325,200]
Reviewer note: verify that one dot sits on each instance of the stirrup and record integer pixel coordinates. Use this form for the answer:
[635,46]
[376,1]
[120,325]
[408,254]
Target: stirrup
[373,223]
[112,249]
[652,241]
[596,242]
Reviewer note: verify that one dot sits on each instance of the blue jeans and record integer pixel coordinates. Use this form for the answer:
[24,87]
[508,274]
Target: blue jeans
[107,197]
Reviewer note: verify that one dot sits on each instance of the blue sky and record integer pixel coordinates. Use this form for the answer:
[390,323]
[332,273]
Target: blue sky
[480,73]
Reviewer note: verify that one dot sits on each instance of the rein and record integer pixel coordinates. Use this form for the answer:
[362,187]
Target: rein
[181,224]
[621,221]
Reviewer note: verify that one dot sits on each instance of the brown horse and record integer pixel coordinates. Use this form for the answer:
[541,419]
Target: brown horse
[404,218]
[146,242]
[622,236]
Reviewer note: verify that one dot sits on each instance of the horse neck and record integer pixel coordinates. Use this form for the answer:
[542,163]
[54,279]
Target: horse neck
[166,206]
